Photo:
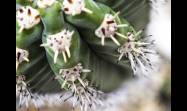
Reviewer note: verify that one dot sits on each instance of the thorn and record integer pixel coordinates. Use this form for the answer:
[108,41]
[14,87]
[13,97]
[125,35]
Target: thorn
[87,10]
[64,56]
[17,64]
[26,59]
[115,40]
[44,45]
[55,56]
[120,35]
[68,52]
[103,41]
[138,33]
[122,25]
[68,98]
[81,81]
[63,84]
[21,29]
[86,70]
[120,57]
[116,14]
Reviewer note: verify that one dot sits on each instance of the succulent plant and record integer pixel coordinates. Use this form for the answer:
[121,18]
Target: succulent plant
[84,47]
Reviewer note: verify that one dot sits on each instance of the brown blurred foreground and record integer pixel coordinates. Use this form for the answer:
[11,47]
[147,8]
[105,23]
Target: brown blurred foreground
[159,102]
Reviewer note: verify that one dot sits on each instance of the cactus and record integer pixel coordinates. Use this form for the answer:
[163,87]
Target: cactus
[83,47]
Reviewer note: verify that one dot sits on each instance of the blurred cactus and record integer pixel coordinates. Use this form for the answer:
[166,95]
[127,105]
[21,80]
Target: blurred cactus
[83,47]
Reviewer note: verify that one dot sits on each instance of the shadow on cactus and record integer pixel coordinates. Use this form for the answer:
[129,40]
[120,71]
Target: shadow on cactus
[80,47]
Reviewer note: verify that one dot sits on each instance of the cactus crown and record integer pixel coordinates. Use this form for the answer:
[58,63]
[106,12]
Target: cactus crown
[86,41]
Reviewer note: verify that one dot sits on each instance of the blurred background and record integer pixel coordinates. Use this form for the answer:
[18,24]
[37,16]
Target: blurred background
[153,94]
